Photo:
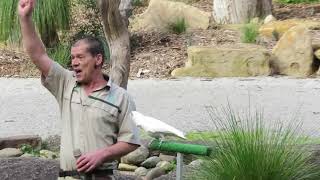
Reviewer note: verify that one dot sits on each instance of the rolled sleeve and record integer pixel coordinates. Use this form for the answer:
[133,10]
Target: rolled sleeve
[128,131]
[56,80]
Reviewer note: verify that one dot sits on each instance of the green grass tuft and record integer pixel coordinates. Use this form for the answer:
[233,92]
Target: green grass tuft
[246,149]
[250,32]
[179,26]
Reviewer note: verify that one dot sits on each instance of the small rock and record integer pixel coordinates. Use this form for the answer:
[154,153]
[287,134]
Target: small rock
[127,167]
[154,173]
[136,157]
[317,54]
[10,152]
[48,154]
[168,158]
[165,165]
[27,155]
[195,164]
[151,162]
[269,18]
[141,171]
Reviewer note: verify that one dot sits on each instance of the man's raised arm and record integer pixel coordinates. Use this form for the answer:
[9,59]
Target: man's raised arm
[31,41]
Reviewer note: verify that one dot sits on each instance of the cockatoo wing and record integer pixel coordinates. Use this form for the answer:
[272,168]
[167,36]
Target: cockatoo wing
[155,126]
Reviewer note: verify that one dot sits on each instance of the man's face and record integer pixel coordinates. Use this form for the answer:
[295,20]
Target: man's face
[83,63]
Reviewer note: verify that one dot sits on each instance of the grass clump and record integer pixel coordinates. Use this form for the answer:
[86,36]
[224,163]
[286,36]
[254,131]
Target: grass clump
[297,1]
[61,54]
[246,149]
[249,33]
[179,26]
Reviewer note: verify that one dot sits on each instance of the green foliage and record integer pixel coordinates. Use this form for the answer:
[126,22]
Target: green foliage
[249,32]
[205,135]
[297,1]
[49,16]
[247,150]
[179,26]
[137,3]
[61,54]
[26,148]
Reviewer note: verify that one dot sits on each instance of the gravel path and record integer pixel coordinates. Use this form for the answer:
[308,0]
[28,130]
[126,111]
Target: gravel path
[27,108]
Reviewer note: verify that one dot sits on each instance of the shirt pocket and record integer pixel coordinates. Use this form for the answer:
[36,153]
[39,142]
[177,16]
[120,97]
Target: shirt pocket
[104,114]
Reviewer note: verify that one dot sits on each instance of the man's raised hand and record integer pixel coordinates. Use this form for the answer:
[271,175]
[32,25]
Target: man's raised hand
[25,7]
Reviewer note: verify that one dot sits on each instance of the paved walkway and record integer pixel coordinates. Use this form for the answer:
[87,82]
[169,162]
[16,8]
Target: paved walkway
[27,108]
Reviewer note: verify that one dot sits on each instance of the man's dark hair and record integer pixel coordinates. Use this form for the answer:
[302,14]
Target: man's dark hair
[95,45]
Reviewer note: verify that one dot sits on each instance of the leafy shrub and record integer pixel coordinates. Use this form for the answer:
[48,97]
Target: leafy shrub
[26,148]
[247,150]
[179,26]
[297,1]
[250,33]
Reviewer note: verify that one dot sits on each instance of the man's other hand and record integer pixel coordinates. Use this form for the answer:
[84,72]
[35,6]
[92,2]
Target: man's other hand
[25,7]
[90,161]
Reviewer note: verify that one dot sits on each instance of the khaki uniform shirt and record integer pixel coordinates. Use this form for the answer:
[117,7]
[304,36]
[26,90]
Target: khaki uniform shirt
[90,122]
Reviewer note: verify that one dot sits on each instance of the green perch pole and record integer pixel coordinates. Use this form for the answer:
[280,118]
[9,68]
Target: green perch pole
[183,148]
[180,149]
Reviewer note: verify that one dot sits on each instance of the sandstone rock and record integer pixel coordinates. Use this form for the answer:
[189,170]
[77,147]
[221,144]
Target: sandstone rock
[27,155]
[17,141]
[280,27]
[151,162]
[317,54]
[269,18]
[10,152]
[293,54]
[165,157]
[162,13]
[154,173]
[126,167]
[195,164]
[165,165]
[141,171]
[48,154]
[249,60]
[136,157]
[52,143]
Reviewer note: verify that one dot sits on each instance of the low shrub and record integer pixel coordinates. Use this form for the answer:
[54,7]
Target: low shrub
[250,32]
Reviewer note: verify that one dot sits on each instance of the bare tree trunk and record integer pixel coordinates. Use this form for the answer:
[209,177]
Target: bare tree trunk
[117,35]
[240,11]
[125,9]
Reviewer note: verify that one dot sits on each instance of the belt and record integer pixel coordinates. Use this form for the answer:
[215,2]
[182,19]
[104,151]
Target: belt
[97,173]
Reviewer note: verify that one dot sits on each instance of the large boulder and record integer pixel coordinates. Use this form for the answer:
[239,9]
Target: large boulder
[248,60]
[28,168]
[280,27]
[136,157]
[293,54]
[18,141]
[161,13]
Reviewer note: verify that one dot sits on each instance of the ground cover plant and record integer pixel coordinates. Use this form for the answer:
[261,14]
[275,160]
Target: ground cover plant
[247,149]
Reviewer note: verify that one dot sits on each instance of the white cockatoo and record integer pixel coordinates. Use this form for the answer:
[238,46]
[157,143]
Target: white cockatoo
[154,127]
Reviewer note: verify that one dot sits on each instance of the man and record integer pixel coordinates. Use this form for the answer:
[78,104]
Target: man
[95,113]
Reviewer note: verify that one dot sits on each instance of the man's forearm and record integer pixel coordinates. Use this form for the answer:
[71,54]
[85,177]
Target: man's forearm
[31,40]
[118,150]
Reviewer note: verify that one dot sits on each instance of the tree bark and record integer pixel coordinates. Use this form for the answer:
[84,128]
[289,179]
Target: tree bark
[125,9]
[117,35]
[240,11]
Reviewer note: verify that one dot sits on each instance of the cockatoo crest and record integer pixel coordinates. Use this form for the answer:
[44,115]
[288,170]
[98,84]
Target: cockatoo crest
[155,127]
